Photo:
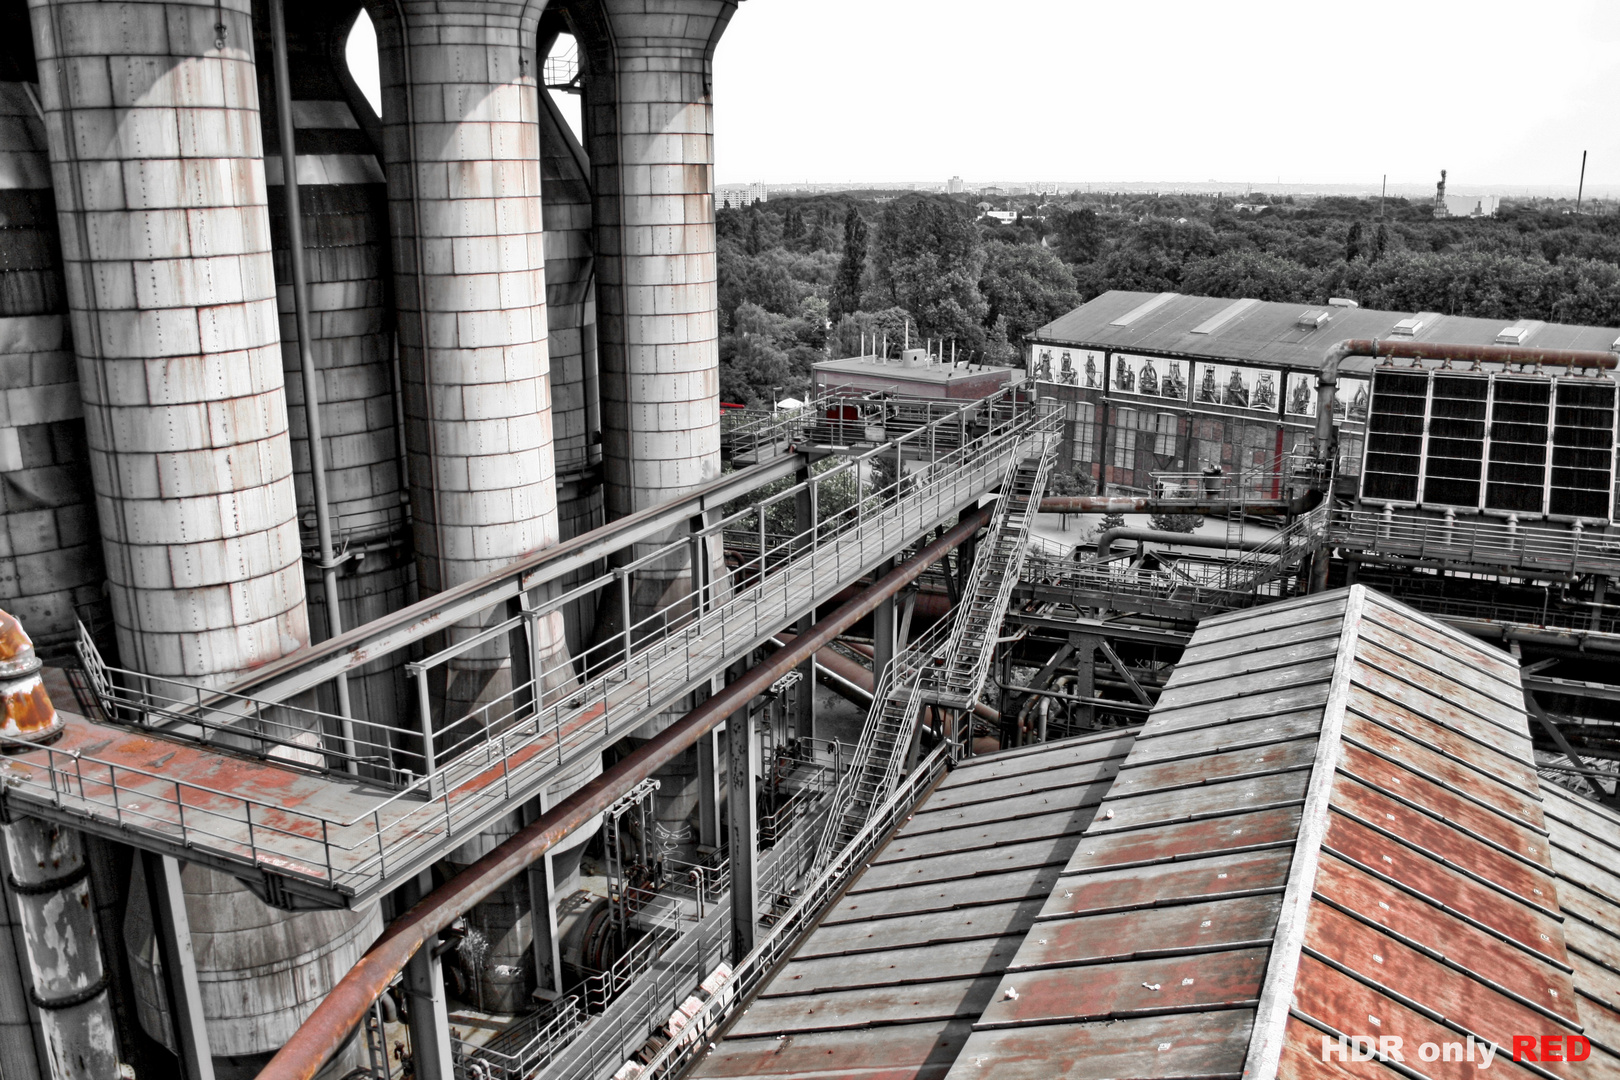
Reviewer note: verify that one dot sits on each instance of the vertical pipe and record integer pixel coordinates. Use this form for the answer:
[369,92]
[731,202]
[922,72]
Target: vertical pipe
[742,766]
[430,1009]
[50,880]
[306,357]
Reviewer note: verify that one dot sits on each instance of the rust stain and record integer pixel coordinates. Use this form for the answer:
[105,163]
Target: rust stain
[1188,838]
[1097,991]
[1483,783]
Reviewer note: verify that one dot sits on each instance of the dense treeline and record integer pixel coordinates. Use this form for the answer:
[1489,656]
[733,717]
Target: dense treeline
[804,278]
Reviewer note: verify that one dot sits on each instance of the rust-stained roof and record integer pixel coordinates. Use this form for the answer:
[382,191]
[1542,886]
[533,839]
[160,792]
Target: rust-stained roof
[1234,902]
[1586,857]
[890,983]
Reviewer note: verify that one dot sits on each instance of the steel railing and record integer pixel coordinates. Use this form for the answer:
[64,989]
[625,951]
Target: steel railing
[1478,540]
[669,651]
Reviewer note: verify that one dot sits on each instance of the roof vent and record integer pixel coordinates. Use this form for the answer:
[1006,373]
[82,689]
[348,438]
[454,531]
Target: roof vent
[1142,309]
[1313,319]
[1341,301]
[1224,316]
[1519,332]
[1407,327]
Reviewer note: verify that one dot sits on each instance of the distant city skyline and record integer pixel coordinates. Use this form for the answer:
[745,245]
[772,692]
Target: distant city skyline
[1503,95]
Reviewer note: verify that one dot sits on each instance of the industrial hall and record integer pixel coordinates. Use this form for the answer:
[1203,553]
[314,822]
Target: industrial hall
[409,671]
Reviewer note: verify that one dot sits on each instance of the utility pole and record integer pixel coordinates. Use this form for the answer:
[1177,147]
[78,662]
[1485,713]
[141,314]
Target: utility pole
[1580,188]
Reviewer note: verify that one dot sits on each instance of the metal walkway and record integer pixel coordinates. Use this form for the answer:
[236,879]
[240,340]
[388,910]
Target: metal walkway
[336,839]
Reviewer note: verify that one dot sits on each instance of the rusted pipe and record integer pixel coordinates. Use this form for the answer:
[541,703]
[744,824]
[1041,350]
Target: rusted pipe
[1105,539]
[1327,380]
[329,1025]
[1114,504]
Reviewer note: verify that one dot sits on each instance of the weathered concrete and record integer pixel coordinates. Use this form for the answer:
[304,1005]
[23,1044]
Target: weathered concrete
[59,929]
[50,558]
[153,129]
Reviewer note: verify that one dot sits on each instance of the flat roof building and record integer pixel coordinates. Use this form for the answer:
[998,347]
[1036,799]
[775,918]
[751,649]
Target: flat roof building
[915,374]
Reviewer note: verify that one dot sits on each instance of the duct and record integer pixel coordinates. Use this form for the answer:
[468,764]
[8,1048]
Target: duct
[160,193]
[1106,538]
[343,222]
[49,559]
[316,1039]
[648,102]
[1328,378]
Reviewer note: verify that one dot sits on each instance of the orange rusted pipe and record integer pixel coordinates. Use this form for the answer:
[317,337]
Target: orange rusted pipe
[329,1025]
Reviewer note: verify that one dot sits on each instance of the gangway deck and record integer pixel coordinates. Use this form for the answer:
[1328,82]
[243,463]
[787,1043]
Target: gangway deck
[308,836]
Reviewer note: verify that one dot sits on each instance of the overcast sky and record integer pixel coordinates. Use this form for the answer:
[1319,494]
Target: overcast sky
[1504,95]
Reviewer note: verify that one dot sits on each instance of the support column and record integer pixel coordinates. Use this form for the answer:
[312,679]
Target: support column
[51,883]
[883,628]
[804,703]
[154,139]
[180,983]
[546,946]
[424,987]
[742,767]
[708,750]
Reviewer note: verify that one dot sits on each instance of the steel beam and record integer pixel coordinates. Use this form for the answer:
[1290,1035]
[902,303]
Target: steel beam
[429,1008]
[171,927]
[743,768]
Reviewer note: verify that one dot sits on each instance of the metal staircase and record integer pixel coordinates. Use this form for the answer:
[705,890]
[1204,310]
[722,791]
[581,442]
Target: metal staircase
[946,666]
[990,586]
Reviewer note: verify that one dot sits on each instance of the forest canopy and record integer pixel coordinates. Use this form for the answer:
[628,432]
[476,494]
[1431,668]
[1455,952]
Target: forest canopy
[804,278]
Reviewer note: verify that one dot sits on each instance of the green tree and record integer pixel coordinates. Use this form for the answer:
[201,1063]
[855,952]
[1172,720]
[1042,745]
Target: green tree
[1077,235]
[927,259]
[755,357]
[1026,287]
[1179,523]
[846,296]
[1251,274]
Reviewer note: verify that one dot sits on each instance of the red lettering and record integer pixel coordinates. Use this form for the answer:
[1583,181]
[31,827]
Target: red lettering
[1524,1048]
[1577,1048]
[1550,1048]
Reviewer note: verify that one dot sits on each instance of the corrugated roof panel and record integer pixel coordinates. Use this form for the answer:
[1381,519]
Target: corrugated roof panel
[1586,856]
[885,985]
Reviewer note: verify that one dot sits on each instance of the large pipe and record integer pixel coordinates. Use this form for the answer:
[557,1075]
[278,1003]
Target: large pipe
[346,1005]
[1114,504]
[306,356]
[859,676]
[1105,539]
[1327,380]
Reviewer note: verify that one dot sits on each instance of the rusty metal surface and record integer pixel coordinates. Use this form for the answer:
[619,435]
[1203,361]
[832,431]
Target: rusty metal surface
[923,1051]
[1334,938]
[1481,822]
[1182,983]
[1586,857]
[1430,927]
[1190,839]
[1178,697]
[1118,936]
[1438,757]
[1302,1049]
[1221,736]
[1216,798]
[1423,691]
[1313,625]
[1138,887]
[1255,704]
[1209,1046]
[895,961]
[1212,768]
[1417,711]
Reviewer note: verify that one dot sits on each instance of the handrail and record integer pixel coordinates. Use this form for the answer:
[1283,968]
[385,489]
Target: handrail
[561,728]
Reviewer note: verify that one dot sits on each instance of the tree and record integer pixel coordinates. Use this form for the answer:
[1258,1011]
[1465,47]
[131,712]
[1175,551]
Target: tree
[755,357]
[1179,523]
[927,260]
[846,297]
[1352,242]
[1251,274]
[1077,235]
[1026,286]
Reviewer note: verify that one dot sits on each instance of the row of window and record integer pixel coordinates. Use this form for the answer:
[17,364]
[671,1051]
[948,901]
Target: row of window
[1133,429]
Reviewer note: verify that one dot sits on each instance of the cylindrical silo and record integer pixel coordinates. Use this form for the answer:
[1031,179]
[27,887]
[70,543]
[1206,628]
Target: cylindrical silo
[152,121]
[345,233]
[460,86]
[261,971]
[50,557]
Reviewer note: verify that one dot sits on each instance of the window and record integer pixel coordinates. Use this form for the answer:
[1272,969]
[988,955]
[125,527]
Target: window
[1125,424]
[1083,415]
[1164,436]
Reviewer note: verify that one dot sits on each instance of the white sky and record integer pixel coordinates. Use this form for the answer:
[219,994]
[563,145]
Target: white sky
[1504,95]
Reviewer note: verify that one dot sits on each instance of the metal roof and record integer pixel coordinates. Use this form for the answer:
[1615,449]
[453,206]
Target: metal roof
[1586,856]
[1234,901]
[1271,332]
[890,982]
